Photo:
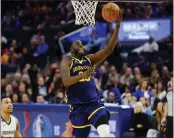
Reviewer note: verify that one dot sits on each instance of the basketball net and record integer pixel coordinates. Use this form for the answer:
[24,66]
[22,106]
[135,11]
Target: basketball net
[84,11]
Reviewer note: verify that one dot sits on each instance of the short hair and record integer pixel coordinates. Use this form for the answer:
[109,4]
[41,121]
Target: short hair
[60,90]
[25,94]
[3,97]
[141,105]
[129,93]
[40,95]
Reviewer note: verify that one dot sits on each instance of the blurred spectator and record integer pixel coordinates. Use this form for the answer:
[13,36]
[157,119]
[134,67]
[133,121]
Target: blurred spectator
[159,117]
[137,71]
[127,76]
[3,85]
[159,131]
[5,56]
[137,81]
[161,12]
[106,64]
[25,99]
[116,91]
[143,90]
[112,73]
[15,98]
[9,78]
[59,97]
[154,93]
[42,84]
[22,88]
[150,46]
[26,58]
[128,99]
[116,84]
[138,13]
[103,76]
[26,79]
[147,108]
[139,124]
[154,78]
[8,90]
[128,85]
[161,94]
[14,86]
[40,99]
[111,97]
[148,12]
[41,52]
[165,76]
[17,76]
[10,22]
[40,88]
[95,42]
[128,14]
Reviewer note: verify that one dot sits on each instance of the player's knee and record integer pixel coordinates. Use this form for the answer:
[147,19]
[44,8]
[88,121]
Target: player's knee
[103,130]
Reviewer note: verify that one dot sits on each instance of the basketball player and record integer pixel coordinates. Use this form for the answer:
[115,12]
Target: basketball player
[81,92]
[9,123]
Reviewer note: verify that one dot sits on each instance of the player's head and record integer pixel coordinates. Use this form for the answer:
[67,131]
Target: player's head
[77,48]
[151,39]
[6,105]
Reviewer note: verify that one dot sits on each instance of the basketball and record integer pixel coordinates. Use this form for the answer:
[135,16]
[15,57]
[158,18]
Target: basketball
[110,12]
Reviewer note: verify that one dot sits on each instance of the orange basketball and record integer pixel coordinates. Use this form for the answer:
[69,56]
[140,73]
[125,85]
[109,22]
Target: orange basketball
[110,12]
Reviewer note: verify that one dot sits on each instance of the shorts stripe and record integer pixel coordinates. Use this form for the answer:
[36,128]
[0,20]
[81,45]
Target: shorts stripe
[94,112]
[81,126]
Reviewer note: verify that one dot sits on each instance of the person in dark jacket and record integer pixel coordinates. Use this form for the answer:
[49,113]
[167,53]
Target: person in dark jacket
[139,124]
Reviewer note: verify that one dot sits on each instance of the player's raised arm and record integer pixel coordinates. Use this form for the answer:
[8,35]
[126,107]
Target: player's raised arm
[65,73]
[102,54]
[17,133]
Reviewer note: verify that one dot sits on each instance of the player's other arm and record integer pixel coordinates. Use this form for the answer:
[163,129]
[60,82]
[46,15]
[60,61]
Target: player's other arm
[65,73]
[104,53]
[17,132]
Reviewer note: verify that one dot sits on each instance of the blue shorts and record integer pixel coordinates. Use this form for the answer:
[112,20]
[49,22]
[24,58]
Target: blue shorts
[82,116]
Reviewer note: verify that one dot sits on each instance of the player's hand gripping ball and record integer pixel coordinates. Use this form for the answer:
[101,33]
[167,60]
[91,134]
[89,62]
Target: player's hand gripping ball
[110,12]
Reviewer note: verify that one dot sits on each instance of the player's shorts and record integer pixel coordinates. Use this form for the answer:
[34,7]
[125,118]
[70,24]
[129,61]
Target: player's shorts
[83,116]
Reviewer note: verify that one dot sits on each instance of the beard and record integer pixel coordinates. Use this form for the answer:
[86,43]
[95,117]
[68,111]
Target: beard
[77,53]
[81,55]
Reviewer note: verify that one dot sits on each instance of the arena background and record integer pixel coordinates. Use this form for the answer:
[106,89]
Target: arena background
[36,34]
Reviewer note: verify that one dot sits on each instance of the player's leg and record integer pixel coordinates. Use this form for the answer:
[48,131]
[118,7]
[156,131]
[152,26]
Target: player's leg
[102,126]
[80,123]
[81,132]
[99,118]
[68,130]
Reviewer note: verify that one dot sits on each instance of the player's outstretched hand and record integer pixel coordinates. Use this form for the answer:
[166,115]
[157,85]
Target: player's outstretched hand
[89,72]
[120,17]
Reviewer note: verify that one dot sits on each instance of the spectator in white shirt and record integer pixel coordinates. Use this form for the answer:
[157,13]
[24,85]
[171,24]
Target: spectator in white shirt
[150,46]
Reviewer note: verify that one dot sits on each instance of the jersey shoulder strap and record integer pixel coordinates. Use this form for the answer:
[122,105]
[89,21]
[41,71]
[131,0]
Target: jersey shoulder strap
[88,59]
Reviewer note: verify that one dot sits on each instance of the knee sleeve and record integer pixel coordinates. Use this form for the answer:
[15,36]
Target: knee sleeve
[103,131]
